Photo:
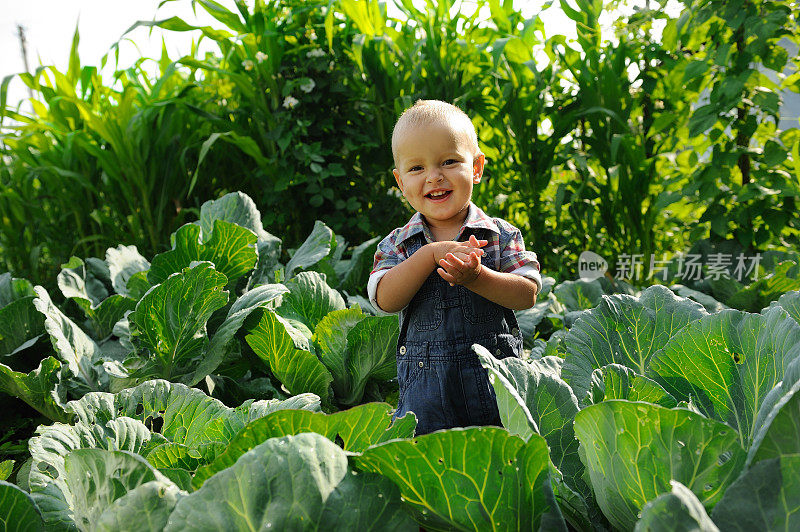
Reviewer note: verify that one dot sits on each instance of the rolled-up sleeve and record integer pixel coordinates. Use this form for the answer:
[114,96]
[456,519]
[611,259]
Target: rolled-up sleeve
[386,257]
[515,259]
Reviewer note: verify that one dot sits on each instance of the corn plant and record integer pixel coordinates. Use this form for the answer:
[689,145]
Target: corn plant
[96,163]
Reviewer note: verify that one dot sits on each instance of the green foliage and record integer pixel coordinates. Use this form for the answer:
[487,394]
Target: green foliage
[615,143]
[747,182]
[700,409]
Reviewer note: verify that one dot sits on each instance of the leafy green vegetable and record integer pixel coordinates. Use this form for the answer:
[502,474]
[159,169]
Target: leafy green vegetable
[151,502]
[765,497]
[6,467]
[358,427]
[370,354]
[231,248]
[96,479]
[293,482]
[615,381]
[169,320]
[467,478]
[790,302]
[19,512]
[20,323]
[633,450]
[315,248]
[287,355]
[624,330]
[123,263]
[40,388]
[259,297]
[73,346]
[777,426]
[310,299]
[579,295]
[534,400]
[676,511]
[727,363]
[91,296]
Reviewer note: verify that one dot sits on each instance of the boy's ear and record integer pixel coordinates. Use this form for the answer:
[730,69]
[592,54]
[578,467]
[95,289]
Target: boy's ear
[397,178]
[477,168]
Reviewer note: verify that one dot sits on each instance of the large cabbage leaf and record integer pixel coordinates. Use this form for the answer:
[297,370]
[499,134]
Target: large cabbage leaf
[39,388]
[615,381]
[468,479]
[315,248]
[103,310]
[765,497]
[20,323]
[72,345]
[790,302]
[259,297]
[727,363]
[678,510]
[151,502]
[18,511]
[358,427]
[286,353]
[777,426]
[231,248]
[632,450]
[356,348]
[310,299]
[534,400]
[624,330]
[168,324]
[97,479]
[123,263]
[143,420]
[48,479]
[297,482]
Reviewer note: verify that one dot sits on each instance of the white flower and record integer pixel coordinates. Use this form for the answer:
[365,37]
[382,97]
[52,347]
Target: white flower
[289,102]
[308,86]
[312,35]
[316,52]
[247,64]
[260,56]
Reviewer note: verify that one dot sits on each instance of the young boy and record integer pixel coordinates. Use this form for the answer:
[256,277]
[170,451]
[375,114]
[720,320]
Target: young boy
[452,273]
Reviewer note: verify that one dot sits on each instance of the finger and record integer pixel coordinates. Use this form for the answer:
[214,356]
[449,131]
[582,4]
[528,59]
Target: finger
[455,261]
[468,246]
[473,240]
[446,276]
[451,270]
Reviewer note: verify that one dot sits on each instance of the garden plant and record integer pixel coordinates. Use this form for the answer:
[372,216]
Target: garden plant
[185,341]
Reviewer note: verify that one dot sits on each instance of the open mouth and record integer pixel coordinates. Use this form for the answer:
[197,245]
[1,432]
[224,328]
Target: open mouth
[439,195]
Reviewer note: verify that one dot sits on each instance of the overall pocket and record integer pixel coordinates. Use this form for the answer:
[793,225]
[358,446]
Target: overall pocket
[478,309]
[427,314]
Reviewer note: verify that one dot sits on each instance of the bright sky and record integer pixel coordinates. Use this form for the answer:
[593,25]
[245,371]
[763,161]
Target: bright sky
[50,24]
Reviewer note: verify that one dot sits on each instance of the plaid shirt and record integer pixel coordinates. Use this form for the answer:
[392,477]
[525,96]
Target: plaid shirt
[505,244]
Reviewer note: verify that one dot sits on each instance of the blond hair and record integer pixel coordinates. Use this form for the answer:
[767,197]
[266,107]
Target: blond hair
[425,112]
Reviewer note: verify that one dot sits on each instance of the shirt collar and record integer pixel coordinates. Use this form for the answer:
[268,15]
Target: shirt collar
[476,219]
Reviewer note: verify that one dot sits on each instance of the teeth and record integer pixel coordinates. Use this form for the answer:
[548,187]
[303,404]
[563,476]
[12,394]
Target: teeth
[437,194]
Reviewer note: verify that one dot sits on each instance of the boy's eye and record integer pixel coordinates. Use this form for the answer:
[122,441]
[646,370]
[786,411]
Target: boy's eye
[448,162]
[416,168]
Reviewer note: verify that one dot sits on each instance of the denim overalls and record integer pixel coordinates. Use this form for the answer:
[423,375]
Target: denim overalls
[440,377]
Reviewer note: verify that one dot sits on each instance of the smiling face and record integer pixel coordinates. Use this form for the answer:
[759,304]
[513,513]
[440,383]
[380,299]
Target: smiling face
[437,166]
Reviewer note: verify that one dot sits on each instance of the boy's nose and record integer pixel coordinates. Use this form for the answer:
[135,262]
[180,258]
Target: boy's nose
[435,175]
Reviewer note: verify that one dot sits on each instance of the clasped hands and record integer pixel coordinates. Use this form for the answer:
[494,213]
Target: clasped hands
[459,262]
